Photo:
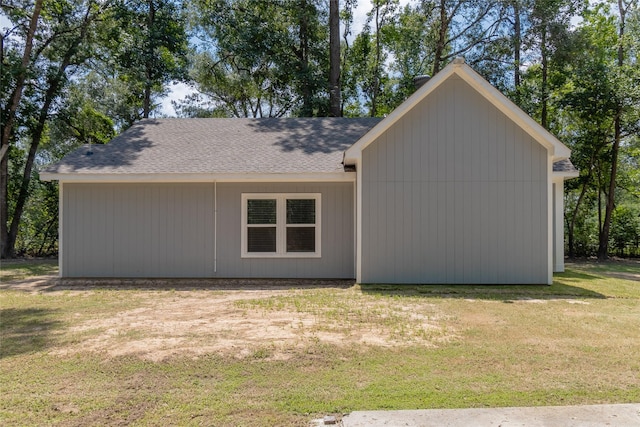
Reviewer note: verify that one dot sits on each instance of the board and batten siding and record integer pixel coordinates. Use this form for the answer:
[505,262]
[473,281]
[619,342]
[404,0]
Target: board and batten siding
[455,192]
[337,233]
[138,230]
[168,230]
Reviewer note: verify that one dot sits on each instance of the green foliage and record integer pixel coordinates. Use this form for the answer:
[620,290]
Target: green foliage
[147,47]
[260,59]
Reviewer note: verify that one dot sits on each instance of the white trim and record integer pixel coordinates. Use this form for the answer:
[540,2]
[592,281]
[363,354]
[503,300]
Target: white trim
[355,229]
[555,147]
[565,175]
[558,232]
[281,225]
[550,242]
[358,226]
[200,177]
[60,229]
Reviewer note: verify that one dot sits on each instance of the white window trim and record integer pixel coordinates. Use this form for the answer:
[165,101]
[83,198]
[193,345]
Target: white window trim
[281,226]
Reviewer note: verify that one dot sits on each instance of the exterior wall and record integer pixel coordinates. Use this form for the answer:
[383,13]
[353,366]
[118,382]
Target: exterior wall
[454,192]
[558,226]
[168,230]
[337,228]
[138,230]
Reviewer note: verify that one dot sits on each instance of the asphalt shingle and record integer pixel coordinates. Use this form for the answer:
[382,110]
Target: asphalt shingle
[564,166]
[169,146]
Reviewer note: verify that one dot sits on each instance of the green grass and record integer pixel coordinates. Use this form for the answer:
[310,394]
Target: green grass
[575,342]
[22,269]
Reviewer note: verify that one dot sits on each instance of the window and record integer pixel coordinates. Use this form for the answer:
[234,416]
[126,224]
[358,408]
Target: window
[281,225]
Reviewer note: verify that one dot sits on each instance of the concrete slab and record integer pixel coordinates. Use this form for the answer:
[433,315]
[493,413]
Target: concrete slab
[622,415]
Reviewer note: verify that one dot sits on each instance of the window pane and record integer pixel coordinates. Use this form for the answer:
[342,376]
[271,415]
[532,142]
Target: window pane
[301,211]
[261,211]
[261,239]
[301,239]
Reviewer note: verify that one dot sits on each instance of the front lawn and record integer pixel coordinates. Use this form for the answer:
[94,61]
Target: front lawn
[99,356]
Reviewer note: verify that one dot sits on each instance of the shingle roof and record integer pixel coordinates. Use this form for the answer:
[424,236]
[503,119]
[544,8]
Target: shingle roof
[193,146]
[564,166]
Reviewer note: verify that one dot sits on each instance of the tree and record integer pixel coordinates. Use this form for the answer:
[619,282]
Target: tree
[62,33]
[261,59]
[9,110]
[460,26]
[147,47]
[335,107]
[625,7]
[603,101]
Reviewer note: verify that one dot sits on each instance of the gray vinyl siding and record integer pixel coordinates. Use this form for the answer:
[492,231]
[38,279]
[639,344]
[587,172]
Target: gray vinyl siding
[337,228]
[454,192]
[167,230]
[138,230]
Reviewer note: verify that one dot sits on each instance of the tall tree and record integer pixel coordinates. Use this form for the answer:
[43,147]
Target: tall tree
[148,47]
[460,26]
[261,59]
[63,34]
[624,8]
[9,110]
[335,105]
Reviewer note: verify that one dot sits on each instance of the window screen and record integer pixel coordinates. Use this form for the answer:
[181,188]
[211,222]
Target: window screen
[281,225]
[301,211]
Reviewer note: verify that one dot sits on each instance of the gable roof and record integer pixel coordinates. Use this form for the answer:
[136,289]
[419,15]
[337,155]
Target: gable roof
[202,147]
[494,96]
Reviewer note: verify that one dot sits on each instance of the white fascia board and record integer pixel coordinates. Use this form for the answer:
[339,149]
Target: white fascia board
[561,176]
[232,177]
[555,147]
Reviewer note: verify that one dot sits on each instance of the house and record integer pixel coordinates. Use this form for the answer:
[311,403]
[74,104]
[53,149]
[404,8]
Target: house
[457,185]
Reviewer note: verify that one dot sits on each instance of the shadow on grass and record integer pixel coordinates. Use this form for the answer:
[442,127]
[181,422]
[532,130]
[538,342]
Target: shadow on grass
[180,284]
[26,330]
[565,286]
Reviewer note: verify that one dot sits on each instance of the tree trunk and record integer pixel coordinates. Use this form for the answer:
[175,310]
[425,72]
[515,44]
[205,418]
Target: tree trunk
[603,244]
[442,38]
[5,249]
[376,70]
[36,136]
[585,186]
[544,95]
[146,103]
[303,57]
[334,59]
[517,47]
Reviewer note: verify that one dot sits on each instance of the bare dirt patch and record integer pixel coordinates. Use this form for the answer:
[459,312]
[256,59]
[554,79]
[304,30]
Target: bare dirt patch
[262,324]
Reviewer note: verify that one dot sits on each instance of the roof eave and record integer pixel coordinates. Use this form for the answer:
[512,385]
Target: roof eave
[337,176]
[554,146]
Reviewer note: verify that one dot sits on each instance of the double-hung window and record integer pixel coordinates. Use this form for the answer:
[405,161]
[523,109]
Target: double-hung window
[281,225]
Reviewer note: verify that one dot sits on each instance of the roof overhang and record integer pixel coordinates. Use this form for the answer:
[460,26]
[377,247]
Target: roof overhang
[565,175]
[202,177]
[458,68]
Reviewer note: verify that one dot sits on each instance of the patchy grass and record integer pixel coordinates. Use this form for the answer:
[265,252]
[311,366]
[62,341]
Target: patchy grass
[11,270]
[290,356]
